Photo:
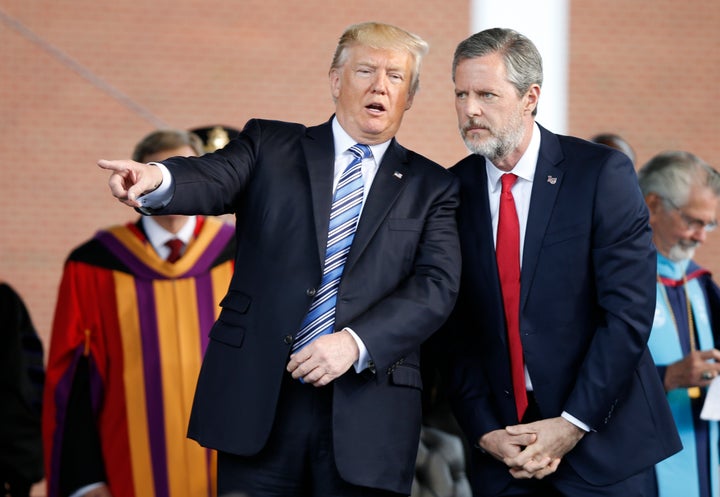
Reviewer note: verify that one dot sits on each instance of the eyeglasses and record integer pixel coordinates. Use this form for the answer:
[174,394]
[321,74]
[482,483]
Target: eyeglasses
[692,223]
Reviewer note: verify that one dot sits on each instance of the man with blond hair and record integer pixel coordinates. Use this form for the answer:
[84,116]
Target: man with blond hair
[347,260]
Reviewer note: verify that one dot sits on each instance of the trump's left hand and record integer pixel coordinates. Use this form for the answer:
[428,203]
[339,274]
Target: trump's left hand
[324,359]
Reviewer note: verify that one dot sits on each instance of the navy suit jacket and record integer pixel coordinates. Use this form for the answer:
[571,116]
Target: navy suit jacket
[399,285]
[586,310]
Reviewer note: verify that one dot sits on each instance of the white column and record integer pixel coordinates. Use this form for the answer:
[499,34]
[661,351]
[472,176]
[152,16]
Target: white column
[545,22]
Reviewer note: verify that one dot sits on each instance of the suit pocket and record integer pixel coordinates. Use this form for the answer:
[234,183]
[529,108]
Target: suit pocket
[566,233]
[406,376]
[230,326]
[398,224]
[235,301]
[399,244]
[229,335]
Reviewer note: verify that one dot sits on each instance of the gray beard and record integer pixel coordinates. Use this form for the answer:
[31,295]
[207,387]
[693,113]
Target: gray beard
[499,145]
[679,253]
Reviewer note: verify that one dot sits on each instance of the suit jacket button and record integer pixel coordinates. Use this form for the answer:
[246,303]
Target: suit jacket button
[310,292]
[288,339]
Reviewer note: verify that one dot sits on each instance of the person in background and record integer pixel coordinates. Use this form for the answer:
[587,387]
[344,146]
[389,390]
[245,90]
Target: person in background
[215,137]
[553,381]
[682,193]
[615,141]
[311,382]
[21,383]
[134,308]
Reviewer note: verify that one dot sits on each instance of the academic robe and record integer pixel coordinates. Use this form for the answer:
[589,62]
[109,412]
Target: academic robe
[133,328]
[692,472]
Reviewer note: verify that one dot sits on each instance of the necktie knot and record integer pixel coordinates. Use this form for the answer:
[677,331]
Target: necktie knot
[360,151]
[175,245]
[508,180]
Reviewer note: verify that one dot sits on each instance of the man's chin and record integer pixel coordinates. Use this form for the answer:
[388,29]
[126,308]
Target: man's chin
[678,253]
[476,147]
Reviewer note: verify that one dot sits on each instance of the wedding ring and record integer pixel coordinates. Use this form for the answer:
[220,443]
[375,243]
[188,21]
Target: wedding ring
[707,375]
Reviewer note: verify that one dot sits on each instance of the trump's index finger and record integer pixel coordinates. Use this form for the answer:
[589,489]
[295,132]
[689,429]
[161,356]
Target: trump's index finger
[113,165]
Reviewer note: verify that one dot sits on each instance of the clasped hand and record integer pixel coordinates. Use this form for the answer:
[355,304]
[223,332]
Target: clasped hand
[324,359]
[532,450]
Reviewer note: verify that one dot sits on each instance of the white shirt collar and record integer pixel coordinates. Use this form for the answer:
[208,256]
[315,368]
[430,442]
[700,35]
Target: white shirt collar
[157,235]
[343,141]
[525,168]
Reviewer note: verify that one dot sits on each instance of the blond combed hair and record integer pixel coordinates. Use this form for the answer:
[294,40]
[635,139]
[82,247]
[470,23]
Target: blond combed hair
[384,37]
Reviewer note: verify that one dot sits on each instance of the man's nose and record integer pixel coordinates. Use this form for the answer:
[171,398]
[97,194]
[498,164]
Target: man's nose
[379,84]
[699,234]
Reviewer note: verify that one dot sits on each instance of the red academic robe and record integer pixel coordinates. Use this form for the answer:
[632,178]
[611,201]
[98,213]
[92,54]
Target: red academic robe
[138,325]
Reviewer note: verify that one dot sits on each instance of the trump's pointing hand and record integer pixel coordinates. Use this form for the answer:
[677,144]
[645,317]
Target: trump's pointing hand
[130,180]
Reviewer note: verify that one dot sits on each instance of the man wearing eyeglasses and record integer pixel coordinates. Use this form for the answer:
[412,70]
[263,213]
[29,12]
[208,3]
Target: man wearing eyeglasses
[682,194]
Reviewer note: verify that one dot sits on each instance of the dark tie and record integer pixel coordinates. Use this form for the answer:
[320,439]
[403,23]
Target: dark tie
[175,245]
[344,213]
[507,253]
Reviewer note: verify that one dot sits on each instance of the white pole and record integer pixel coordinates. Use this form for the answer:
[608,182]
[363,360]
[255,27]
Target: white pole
[545,22]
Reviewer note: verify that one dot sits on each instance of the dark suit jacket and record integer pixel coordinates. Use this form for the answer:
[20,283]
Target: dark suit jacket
[399,285]
[21,383]
[586,310]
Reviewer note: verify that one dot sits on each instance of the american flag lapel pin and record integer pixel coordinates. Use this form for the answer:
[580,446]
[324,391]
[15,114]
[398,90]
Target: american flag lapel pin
[552,180]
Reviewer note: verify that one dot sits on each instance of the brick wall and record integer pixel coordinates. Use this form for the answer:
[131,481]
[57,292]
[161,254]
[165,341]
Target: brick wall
[84,80]
[103,74]
[648,70]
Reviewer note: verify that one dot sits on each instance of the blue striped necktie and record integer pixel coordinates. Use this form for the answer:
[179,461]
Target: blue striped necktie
[344,214]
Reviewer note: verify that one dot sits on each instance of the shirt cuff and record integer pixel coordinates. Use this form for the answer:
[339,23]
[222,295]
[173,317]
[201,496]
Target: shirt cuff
[83,490]
[162,195]
[363,361]
[572,419]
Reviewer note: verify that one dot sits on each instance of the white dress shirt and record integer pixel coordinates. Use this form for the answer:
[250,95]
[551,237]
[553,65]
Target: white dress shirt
[158,236]
[522,191]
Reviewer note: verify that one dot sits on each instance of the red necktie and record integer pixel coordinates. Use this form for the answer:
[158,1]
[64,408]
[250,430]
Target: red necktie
[507,253]
[176,245]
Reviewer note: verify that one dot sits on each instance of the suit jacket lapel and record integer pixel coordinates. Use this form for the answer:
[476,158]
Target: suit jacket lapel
[319,150]
[480,222]
[392,176]
[546,185]
[478,232]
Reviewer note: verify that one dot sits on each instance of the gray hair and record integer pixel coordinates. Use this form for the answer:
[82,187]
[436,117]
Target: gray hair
[671,175]
[523,62]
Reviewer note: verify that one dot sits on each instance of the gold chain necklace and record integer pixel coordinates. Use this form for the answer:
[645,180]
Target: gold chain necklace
[693,392]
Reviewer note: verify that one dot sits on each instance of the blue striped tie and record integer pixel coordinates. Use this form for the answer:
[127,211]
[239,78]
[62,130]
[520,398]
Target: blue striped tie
[344,214]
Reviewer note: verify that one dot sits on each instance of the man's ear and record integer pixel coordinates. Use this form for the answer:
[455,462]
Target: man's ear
[655,204]
[335,82]
[410,100]
[532,98]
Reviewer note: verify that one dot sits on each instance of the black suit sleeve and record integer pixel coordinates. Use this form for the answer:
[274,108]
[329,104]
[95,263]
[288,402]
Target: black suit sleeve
[713,296]
[21,383]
